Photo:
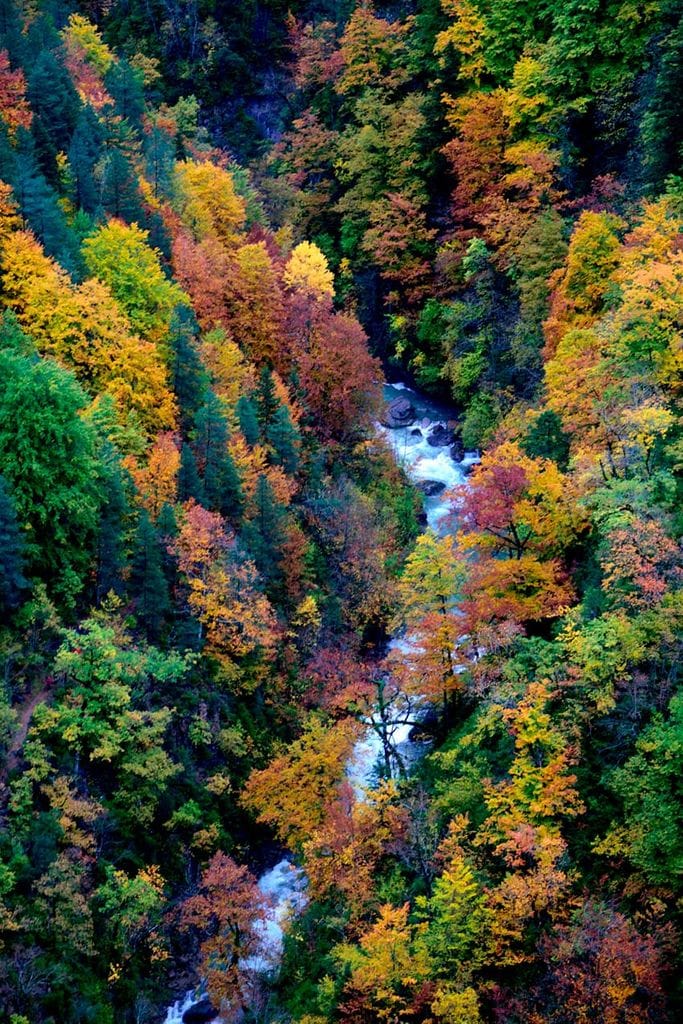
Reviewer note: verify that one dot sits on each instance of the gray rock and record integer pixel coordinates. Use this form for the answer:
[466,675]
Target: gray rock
[441,437]
[416,432]
[458,451]
[399,413]
[431,487]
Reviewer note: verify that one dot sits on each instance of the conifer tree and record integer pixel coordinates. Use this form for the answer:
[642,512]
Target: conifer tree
[267,401]
[247,418]
[148,583]
[189,482]
[222,487]
[12,581]
[188,376]
[284,439]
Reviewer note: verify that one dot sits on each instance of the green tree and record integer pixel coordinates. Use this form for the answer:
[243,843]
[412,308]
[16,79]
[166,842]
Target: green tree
[221,482]
[147,581]
[284,440]
[649,786]
[48,456]
[12,582]
[247,418]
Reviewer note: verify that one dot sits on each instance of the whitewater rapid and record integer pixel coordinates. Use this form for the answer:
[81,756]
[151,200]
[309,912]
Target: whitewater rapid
[285,883]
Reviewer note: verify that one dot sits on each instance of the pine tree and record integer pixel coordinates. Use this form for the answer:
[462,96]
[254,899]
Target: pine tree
[248,420]
[222,487]
[264,534]
[267,401]
[12,581]
[189,483]
[84,153]
[188,377]
[55,105]
[148,583]
[119,188]
[110,547]
[124,85]
[284,439]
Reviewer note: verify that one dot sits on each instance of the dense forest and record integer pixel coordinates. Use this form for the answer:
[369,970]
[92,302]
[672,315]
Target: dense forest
[223,227]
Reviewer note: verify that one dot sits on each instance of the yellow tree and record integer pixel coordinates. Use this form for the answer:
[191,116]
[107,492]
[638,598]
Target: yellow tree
[208,202]
[293,792]
[82,327]
[307,268]
[119,255]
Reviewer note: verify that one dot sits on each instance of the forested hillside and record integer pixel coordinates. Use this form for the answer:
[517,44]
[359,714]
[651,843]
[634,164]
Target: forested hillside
[234,644]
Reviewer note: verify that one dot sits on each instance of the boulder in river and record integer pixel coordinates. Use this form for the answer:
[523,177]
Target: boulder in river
[441,436]
[201,1013]
[399,413]
[431,487]
[458,450]
[416,432]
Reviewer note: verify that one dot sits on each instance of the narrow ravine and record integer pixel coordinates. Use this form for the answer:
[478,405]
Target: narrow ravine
[434,468]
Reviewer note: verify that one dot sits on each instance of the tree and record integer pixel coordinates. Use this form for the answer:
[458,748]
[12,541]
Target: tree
[12,582]
[248,419]
[156,479]
[55,107]
[208,203]
[223,589]
[230,911]
[458,919]
[48,457]
[188,375]
[264,532]
[339,378]
[386,969]
[599,967]
[83,153]
[83,327]
[119,255]
[254,300]
[15,111]
[516,504]
[539,788]
[95,720]
[648,784]
[292,793]
[307,269]
[147,581]
[284,440]
[218,473]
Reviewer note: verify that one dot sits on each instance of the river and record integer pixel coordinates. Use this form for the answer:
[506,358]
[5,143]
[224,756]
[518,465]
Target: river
[285,883]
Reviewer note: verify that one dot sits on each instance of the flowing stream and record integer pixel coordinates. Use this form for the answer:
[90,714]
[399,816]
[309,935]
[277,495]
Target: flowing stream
[285,883]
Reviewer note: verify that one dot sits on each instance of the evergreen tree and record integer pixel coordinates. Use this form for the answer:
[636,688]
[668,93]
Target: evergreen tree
[222,487]
[56,106]
[264,534]
[148,583]
[248,420]
[110,546]
[189,483]
[12,581]
[188,377]
[284,439]
[84,153]
[547,440]
[39,206]
[124,85]
[267,401]
[120,195]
